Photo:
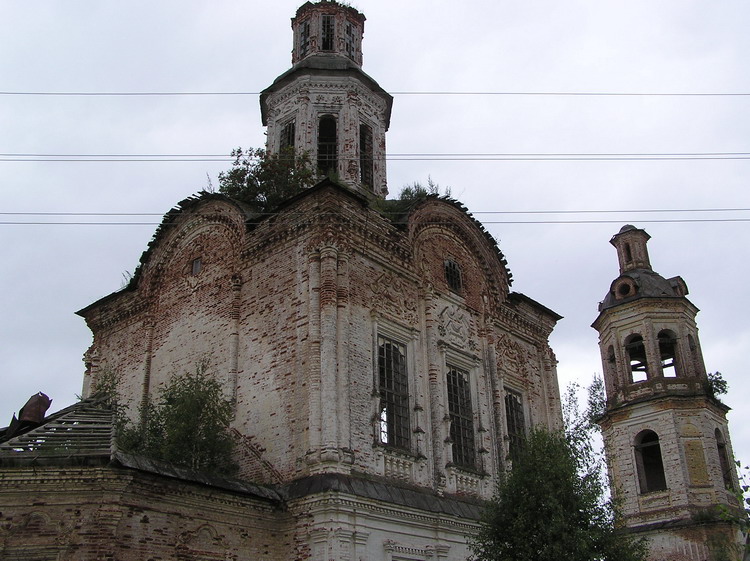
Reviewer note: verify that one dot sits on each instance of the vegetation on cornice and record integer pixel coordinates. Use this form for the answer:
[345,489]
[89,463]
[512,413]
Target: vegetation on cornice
[264,180]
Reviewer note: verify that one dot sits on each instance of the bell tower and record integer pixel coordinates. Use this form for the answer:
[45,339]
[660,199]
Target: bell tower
[325,104]
[665,433]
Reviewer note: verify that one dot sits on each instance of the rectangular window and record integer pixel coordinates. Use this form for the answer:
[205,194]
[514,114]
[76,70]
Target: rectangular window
[304,39]
[461,417]
[453,275]
[327,33]
[287,136]
[327,145]
[514,419]
[394,393]
[365,154]
[349,40]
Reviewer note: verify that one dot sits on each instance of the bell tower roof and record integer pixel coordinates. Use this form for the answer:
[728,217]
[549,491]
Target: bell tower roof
[637,279]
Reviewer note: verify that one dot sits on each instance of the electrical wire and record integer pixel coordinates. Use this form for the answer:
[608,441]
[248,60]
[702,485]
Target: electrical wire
[394,157]
[415,93]
[584,211]
[505,222]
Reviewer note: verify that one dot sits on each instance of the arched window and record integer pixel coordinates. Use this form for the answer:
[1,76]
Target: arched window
[637,358]
[648,462]
[327,145]
[724,463]
[668,352]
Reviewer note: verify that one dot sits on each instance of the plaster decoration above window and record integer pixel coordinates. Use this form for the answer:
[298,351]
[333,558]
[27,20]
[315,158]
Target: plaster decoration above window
[454,324]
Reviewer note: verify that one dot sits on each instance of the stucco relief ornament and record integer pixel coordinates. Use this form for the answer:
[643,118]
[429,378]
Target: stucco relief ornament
[455,325]
[508,352]
[393,296]
[328,238]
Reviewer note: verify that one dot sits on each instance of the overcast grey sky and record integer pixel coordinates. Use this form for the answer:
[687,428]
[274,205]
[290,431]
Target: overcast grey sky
[642,47]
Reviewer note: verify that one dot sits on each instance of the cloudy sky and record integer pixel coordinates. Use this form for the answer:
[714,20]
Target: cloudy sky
[567,172]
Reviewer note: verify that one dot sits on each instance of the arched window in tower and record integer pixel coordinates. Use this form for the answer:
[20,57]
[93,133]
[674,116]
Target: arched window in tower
[327,32]
[724,463]
[327,145]
[637,358]
[628,253]
[365,155]
[649,463]
[668,352]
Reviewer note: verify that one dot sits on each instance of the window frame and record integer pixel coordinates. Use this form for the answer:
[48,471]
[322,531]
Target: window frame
[304,38]
[405,337]
[327,160]
[454,277]
[725,465]
[350,40]
[327,33]
[287,134]
[516,439]
[649,462]
[462,430]
[366,155]
[394,423]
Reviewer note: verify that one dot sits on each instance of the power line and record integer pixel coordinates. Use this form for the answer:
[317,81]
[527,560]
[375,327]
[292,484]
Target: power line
[468,156]
[415,93]
[547,222]
[583,211]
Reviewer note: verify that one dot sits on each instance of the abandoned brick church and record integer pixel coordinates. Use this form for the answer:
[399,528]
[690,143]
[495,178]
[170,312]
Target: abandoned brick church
[379,366]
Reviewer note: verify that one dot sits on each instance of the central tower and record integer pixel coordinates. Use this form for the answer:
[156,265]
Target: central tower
[325,104]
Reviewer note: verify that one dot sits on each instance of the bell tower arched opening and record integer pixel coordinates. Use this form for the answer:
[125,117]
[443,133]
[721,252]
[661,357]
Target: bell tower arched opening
[649,463]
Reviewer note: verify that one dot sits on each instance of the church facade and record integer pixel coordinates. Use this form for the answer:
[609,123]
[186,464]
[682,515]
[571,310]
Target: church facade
[380,368]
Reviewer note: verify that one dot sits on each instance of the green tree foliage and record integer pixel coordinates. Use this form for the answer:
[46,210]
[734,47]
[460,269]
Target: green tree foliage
[546,510]
[187,425]
[716,384]
[414,191]
[265,180]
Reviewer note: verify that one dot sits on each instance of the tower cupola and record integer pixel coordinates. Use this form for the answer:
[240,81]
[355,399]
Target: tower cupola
[631,248]
[325,105]
[327,28]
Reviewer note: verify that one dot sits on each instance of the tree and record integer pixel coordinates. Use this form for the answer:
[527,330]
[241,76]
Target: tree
[551,506]
[265,180]
[188,425]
